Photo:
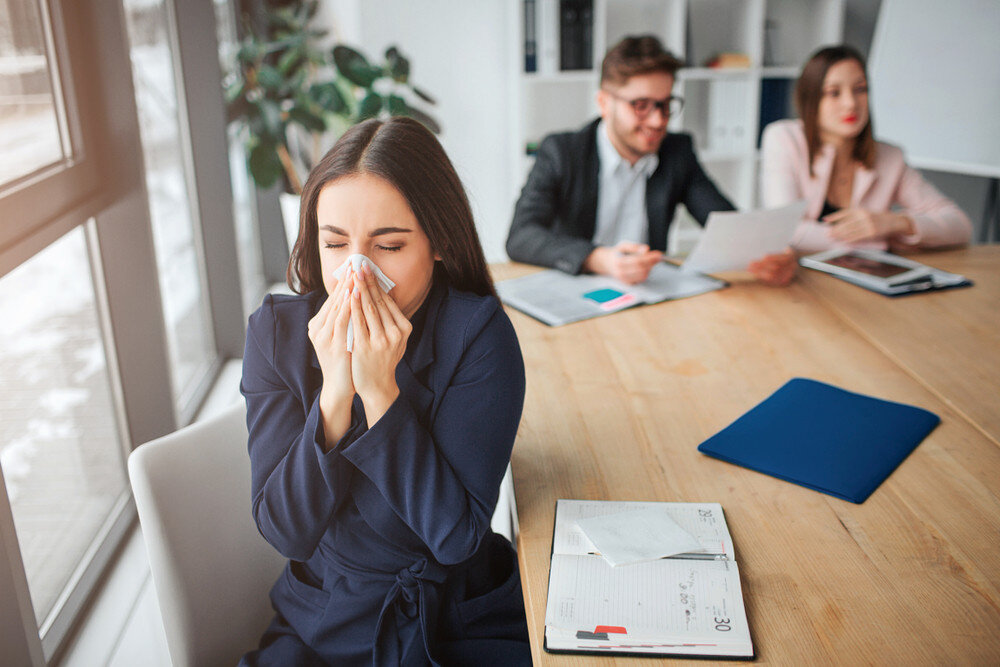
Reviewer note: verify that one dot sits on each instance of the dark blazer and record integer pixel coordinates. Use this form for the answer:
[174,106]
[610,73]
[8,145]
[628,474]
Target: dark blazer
[555,217]
[392,560]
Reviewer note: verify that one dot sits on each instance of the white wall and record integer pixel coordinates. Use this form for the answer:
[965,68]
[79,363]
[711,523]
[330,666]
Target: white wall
[459,53]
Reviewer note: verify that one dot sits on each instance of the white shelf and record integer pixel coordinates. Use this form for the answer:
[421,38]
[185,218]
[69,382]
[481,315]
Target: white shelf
[714,73]
[780,72]
[575,76]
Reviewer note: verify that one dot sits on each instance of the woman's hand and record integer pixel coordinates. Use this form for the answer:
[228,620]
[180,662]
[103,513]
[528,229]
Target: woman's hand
[380,334]
[328,334]
[851,225]
[777,269]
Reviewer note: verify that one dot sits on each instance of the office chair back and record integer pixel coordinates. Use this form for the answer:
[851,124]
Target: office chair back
[210,566]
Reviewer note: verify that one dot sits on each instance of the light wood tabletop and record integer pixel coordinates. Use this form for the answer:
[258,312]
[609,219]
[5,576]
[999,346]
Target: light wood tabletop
[616,407]
[947,340]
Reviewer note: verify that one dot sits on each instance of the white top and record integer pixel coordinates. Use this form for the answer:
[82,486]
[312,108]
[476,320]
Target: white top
[621,194]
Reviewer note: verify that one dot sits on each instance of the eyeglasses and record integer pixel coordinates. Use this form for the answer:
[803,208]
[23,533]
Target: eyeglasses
[644,106]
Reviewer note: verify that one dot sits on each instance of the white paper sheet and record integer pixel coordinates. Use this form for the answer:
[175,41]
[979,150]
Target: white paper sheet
[733,239]
[705,521]
[636,536]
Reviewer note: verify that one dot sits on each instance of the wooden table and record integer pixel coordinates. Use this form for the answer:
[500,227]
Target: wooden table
[949,341]
[616,407]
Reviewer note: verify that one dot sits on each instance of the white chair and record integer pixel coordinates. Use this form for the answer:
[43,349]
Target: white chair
[210,566]
[504,521]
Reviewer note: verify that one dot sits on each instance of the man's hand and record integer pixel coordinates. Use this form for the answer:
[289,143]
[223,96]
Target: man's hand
[627,262]
[777,270]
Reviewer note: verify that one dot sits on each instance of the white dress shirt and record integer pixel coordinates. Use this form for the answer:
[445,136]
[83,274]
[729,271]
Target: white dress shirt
[621,194]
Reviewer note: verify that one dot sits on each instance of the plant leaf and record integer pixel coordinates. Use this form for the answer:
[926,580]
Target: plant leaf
[265,166]
[307,119]
[398,65]
[269,78]
[426,120]
[422,95]
[250,51]
[397,106]
[291,60]
[328,97]
[370,106]
[354,67]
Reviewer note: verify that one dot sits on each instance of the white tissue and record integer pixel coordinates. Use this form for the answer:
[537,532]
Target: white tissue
[356,261]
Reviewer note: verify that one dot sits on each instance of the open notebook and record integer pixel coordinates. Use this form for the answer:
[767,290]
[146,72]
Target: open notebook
[557,298]
[686,605]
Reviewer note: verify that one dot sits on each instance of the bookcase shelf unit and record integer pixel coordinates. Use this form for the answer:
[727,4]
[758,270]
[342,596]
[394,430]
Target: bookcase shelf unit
[725,109]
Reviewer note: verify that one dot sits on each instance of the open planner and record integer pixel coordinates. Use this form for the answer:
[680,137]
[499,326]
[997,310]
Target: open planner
[689,604]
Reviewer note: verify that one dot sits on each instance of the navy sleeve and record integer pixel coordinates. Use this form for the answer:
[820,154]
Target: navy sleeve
[296,486]
[443,480]
[534,236]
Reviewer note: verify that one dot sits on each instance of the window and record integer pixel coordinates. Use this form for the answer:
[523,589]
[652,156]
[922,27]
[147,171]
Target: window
[247,228]
[60,447]
[107,339]
[175,229]
[31,134]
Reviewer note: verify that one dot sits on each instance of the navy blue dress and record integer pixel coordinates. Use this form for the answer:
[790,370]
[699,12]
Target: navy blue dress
[391,556]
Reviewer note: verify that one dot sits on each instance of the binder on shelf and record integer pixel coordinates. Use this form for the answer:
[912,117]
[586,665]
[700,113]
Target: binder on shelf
[823,438]
[576,30]
[530,38]
[775,101]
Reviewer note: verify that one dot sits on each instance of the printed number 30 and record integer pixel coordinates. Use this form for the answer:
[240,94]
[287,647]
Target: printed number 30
[723,624]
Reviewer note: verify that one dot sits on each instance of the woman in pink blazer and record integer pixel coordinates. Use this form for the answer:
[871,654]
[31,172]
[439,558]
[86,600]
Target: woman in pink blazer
[859,192]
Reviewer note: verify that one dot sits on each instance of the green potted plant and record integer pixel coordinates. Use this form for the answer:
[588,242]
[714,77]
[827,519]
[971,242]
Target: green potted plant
[293,98]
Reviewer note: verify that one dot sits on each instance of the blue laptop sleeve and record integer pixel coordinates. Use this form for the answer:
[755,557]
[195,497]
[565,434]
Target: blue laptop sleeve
[824,438]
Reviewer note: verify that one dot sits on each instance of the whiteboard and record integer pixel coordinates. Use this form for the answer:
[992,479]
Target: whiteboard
[935,83]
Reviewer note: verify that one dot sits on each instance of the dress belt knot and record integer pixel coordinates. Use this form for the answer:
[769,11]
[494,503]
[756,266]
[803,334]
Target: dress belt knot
[414,593]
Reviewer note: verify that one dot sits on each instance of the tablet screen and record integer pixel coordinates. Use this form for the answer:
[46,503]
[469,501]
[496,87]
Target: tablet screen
[868,266]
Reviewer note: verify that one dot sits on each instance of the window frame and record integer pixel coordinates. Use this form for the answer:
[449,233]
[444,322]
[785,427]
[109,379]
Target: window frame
[29,204]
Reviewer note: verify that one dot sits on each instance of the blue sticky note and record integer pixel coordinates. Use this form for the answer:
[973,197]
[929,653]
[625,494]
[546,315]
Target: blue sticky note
[602,295]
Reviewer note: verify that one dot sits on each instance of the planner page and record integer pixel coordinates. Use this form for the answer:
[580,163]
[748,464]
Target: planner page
[689,600]
[704,521]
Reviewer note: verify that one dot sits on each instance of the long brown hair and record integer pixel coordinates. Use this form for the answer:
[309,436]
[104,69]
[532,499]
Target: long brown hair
[406,155]
[809,91]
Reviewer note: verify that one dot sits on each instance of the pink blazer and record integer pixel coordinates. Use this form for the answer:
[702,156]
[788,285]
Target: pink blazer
[785,178]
